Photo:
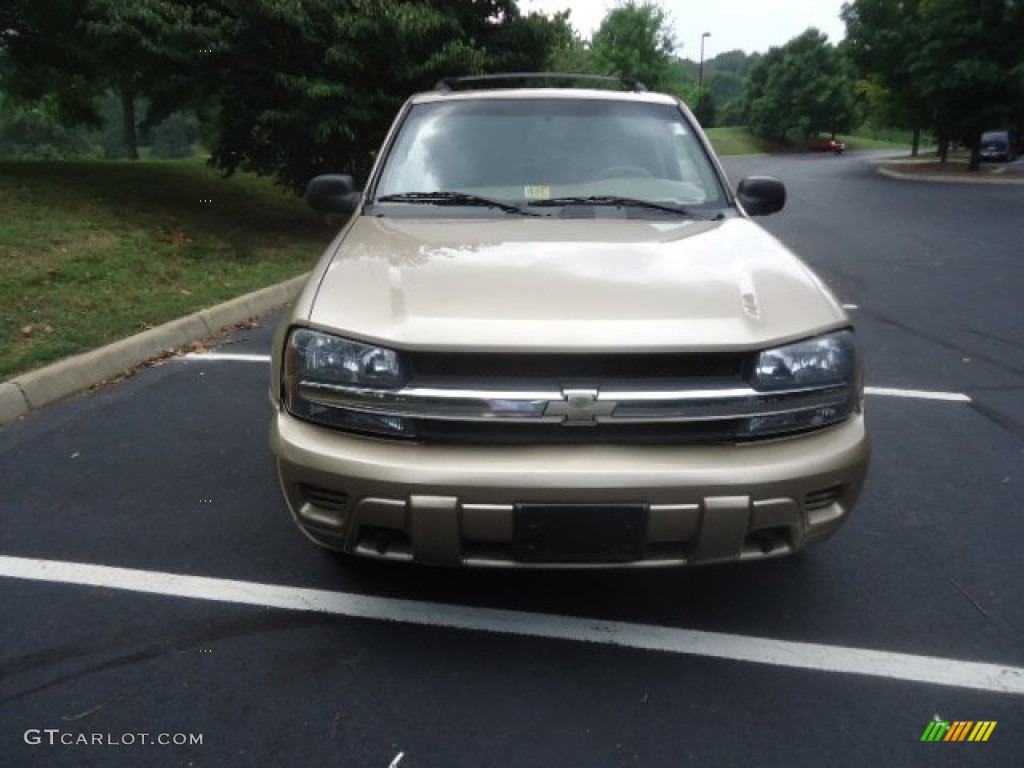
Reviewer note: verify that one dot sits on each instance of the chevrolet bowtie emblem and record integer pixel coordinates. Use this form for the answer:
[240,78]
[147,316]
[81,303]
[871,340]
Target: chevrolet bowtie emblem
[580,407]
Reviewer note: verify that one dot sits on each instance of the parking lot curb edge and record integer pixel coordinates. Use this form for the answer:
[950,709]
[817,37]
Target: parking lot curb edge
[947,179]
[37,389]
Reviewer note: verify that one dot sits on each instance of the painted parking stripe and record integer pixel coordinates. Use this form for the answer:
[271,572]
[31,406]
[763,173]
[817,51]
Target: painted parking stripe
[994,678]
[919,394]
[231,356]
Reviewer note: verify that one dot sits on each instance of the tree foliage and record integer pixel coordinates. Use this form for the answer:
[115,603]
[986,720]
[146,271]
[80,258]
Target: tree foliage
[800,89]
[291,87]
[72,52]
[879,36]
[47,61]
[954,66]
[173,137]
[725,77]
[636,40]
[33,134]
[569,51]
[706,108]
[313,86]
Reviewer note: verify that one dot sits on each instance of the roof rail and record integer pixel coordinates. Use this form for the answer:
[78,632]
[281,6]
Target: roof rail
[512,79]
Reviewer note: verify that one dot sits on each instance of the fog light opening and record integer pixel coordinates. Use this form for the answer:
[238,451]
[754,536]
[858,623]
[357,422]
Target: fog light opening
[389,543]
[770,541]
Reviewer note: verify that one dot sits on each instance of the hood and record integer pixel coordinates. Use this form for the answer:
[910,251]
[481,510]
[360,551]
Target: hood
[522,284]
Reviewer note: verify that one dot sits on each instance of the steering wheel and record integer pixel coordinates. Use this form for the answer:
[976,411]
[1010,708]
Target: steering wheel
[624,172]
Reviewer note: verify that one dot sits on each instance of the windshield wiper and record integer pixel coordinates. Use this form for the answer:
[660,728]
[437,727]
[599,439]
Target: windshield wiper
[619,201]
[454,198]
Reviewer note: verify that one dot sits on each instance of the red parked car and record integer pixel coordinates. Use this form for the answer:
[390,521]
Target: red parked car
[829,145]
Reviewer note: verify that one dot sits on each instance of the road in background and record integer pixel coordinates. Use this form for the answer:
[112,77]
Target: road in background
[169,472]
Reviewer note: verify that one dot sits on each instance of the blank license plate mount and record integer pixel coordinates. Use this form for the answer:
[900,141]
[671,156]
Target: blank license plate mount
[580,533]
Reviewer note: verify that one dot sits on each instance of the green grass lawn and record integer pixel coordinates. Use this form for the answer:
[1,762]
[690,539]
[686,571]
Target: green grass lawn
[866,142]
[737,140]
[96,251]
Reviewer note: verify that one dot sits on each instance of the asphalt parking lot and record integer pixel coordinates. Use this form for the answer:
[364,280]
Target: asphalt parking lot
[207,613]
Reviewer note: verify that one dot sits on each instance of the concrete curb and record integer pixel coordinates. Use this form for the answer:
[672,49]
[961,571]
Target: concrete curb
[36,389]
[947,179]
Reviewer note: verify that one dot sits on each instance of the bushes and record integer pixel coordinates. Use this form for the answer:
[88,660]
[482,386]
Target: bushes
[173,138]
[31,134]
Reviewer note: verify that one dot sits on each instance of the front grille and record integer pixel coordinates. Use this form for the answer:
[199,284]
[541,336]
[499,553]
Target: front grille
[472,398]
[498,369]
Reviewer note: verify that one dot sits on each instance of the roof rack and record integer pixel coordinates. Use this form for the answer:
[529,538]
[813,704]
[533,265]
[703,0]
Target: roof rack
[512,79]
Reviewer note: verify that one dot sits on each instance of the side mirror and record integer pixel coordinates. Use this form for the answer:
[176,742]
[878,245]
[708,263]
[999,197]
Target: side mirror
[761,195]
[333,194]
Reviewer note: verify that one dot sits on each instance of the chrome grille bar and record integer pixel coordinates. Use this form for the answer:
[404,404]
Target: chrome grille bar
[573,406]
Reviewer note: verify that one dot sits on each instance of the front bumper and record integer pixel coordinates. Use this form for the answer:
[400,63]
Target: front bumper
[457,505]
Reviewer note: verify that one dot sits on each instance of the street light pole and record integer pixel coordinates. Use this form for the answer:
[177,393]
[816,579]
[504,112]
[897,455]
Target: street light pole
[700,71]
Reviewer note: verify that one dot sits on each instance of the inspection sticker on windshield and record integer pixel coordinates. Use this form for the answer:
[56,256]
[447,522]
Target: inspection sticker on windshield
[537,193]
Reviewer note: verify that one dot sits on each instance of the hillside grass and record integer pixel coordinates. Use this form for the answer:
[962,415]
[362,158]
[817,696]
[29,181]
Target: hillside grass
[867,142]
[91,252]
[738,140]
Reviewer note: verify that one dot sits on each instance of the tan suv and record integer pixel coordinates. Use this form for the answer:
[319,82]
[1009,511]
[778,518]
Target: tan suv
[550,335]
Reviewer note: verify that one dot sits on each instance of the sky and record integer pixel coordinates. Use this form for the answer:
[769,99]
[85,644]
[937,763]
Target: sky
[749,25]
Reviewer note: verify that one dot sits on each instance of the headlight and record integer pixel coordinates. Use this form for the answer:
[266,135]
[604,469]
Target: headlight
[820,362]
[826,365]
[315,363]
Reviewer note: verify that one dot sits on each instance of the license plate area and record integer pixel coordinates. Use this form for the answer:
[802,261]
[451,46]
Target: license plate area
[580,533]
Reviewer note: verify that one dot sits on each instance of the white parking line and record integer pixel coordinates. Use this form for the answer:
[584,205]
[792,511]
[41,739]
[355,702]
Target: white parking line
[918,394]
[232,356]
[994,678]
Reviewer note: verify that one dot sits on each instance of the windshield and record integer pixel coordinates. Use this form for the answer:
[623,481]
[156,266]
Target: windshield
[525,151]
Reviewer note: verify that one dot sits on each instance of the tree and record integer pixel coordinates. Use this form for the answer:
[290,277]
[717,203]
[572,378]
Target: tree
[955,66]
[970,70]
[881,38]
[725,78]
[636,40]
[706,109]
[569,51]
[881,108]
[45,60]
[33,134]
[801,89]
[735,62]
[725,85]
[282,87]
[313,86]
[72,52]
[173,137]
